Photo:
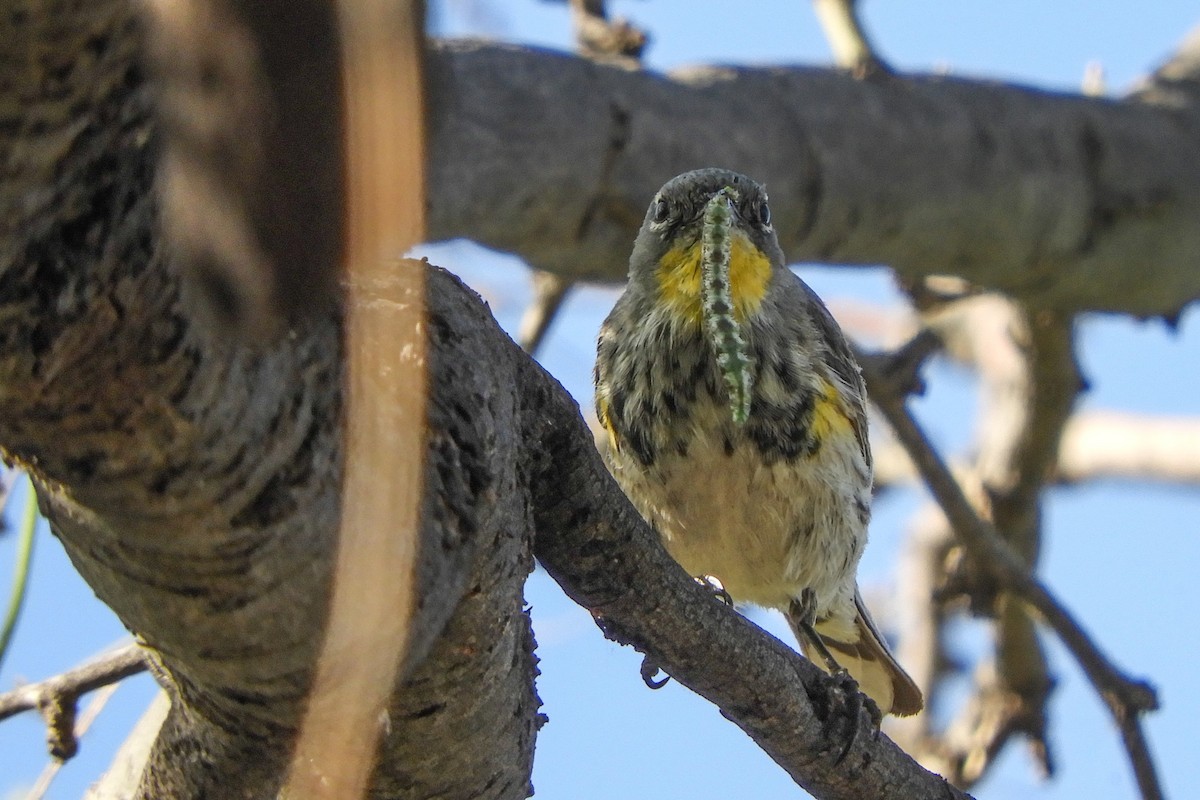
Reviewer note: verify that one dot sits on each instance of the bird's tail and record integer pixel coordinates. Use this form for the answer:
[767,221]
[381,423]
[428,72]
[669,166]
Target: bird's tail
[859,648]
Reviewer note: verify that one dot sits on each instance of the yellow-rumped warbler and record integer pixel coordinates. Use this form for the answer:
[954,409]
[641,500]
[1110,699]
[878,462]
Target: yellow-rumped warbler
[736,421]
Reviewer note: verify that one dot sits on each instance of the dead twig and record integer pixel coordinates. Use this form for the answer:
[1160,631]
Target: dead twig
[549,291]
[1028,382]
[852,49]
[56,698]
[601,38]
[94,707]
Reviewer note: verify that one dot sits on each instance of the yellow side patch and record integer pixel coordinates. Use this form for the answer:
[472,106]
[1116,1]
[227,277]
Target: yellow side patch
[829,415]
[679,278]
[606,423]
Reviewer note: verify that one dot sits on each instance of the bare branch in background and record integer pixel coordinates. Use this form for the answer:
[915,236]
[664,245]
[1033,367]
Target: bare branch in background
[1095,446]
[852,49]
[56,698]
[1042,196]
[1029,381]
[606,39]
[1137,447]
[549,291]
[1126,698]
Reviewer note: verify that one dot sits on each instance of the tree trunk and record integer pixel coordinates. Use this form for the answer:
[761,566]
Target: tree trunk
[194,479]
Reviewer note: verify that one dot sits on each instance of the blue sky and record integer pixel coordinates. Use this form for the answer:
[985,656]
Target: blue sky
[1118,554]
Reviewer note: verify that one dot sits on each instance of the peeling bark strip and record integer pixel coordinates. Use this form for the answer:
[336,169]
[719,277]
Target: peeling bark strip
[1069,202]
[375,583]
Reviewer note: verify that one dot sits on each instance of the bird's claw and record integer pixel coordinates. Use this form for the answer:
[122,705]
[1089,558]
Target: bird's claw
[649,670]
[717,589]
[854,702]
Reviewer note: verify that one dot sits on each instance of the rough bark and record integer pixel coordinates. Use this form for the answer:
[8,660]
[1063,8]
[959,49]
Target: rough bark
[1072,202]
[194,480]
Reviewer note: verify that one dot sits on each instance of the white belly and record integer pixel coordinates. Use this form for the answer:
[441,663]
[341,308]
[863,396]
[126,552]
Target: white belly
[767,532]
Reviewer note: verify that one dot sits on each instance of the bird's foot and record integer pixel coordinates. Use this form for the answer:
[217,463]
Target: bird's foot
[852,703]
[717,589]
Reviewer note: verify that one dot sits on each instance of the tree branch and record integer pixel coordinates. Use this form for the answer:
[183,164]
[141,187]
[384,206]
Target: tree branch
[1126,698]
[85,720]
[1106,444]
[852,48]
[593,543]
[1043,196]
[549,292]
[56,698]
[599,39]
[1096,446]
[1029,383]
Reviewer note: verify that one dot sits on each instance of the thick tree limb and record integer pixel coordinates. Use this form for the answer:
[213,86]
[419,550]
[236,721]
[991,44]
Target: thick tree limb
[194,480]
[1081,203]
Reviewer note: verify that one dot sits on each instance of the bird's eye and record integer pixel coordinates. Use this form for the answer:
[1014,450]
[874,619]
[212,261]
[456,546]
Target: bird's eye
[660,211]
[764,214]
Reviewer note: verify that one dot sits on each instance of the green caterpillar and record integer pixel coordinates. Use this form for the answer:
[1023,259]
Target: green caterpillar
[724,331]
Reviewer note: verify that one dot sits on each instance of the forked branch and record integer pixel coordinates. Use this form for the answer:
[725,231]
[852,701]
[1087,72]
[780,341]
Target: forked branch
[57,698]
[1126,698]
